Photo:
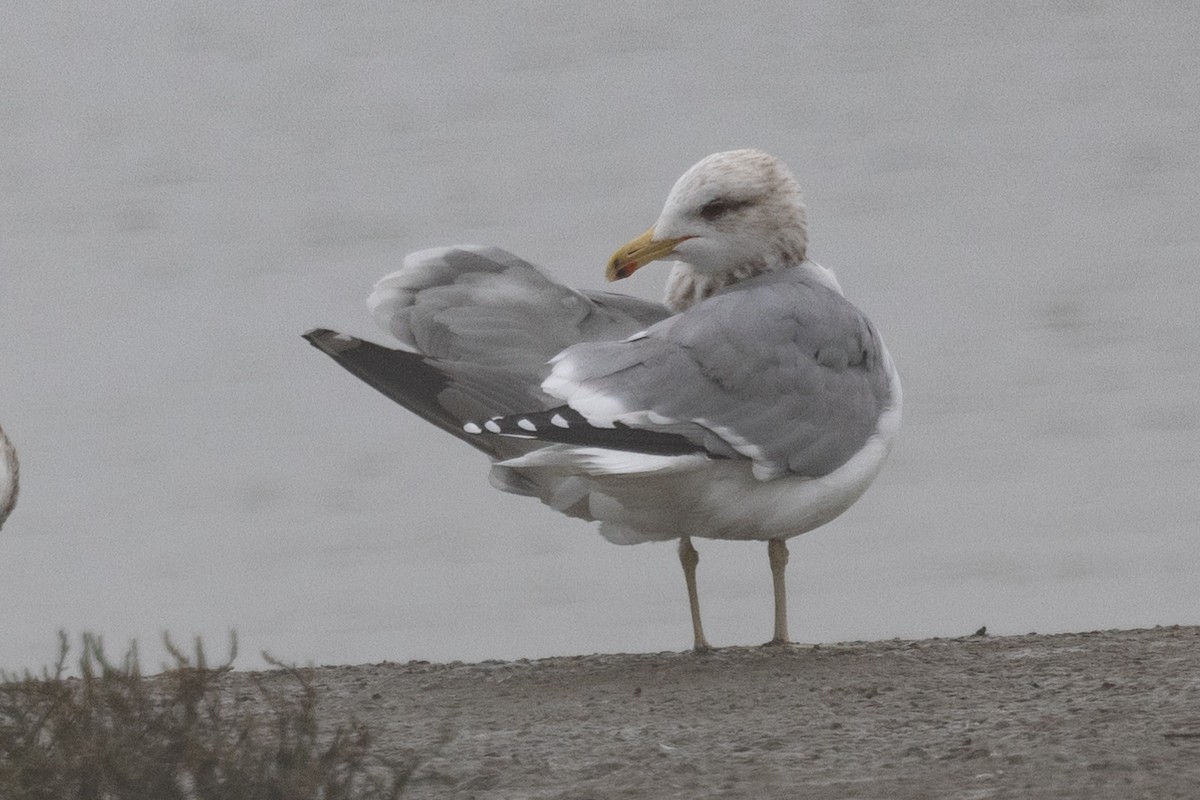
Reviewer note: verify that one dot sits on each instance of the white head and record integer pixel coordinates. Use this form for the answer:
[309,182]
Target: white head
[737,213]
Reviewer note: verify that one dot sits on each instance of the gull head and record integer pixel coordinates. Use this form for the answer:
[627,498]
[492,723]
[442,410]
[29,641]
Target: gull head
[732,215]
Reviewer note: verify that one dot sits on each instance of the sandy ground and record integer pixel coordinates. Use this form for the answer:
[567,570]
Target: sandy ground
[1108,714]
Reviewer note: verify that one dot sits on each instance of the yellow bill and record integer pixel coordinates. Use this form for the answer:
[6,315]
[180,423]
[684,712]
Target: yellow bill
[638,253]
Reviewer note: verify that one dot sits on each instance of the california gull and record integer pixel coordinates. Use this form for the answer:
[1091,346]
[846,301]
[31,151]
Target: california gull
[755,403]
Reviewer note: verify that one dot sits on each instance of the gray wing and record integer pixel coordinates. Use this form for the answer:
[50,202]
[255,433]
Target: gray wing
[483,324]
[484,305]
[780,369]
[624,307]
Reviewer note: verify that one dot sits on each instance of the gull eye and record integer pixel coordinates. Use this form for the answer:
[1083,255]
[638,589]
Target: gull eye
[719,207]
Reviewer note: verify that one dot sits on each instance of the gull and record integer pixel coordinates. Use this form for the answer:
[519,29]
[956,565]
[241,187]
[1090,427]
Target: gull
[755,403]
[10,477]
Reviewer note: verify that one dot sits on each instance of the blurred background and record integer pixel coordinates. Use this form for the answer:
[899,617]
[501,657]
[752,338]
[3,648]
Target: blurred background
[1012,193]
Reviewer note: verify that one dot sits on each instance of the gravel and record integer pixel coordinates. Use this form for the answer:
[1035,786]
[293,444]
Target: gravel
[1107,714]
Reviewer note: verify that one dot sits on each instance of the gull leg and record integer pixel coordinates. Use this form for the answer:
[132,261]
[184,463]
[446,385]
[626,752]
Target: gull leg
[689,558]
[777,552]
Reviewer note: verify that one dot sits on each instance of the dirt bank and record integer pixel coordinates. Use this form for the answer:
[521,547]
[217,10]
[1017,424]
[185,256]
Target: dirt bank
[1108,714]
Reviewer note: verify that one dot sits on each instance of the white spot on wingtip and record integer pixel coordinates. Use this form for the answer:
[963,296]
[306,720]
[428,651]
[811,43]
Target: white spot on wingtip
[526,425]
[492,426]
[471,427]
[559,421]
[332,342]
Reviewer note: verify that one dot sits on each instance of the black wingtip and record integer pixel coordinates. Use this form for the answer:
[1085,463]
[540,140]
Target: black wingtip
[565,425]
[331,342]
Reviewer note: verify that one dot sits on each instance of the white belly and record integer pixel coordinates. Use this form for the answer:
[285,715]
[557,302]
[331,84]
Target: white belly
[645,499]
[723,500]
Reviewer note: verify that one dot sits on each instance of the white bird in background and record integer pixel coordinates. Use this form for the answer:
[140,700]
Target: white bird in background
[757,403]
[10,478]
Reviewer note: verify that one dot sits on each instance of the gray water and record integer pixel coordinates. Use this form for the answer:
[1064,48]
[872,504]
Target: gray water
[1011,193]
